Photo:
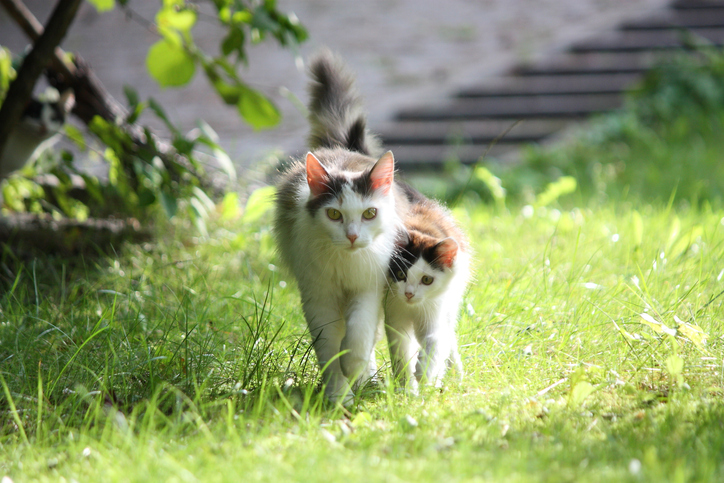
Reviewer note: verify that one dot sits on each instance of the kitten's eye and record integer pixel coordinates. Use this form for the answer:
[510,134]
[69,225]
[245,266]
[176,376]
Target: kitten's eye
[369,213]
[427,279]
[400,275]
[334,214]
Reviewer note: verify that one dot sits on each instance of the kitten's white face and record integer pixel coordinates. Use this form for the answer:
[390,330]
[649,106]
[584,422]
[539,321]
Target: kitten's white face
[421,283]
[354,221]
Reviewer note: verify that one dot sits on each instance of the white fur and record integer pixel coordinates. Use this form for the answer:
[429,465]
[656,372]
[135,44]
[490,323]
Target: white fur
[341,283]
[421,329]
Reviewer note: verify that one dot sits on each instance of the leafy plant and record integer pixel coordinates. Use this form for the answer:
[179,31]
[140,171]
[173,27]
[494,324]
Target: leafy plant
[173,60]
[140,177]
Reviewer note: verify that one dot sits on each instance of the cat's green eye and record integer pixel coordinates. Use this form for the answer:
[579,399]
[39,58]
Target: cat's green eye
[334,214]
[427,279]
[369,213]
[400,275]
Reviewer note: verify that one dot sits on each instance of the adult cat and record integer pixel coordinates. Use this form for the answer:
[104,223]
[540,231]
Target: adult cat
[338,212]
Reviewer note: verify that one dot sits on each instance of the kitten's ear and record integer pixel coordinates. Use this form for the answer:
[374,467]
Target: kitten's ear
[317,176]
[382,173]
[446,252]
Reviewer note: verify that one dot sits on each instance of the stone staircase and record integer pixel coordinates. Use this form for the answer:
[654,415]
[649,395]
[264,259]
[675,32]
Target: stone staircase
[588,78]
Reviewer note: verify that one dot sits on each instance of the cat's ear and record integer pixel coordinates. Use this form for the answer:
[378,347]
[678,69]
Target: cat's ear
[446,252]
[382,173]
[317,176]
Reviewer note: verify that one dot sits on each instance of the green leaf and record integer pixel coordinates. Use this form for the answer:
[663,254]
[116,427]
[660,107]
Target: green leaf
[131,96]
[562,186]
[257,110]
[692,332]
[675,368]
[362,419]
[230,94]
[203,199]
[170,64]
[685,242]
[211,139]
[234,41]
[656,326]
[181,20]
[103,5]
[230,206]
[75,135]
[161,113]
[259,203]
[493,184]
[7,72]
[580,392]
[168,201]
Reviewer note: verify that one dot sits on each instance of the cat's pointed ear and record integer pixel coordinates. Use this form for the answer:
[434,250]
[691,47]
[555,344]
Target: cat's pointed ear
[446,252]
[382,173]
[317,176]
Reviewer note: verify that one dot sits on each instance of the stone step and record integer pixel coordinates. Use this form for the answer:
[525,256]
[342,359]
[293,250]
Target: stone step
[591,64]
[542,85]
[469,132]
[434,156]
[697,4]
[521,107]
[589,78]
[647,40]
[688,19]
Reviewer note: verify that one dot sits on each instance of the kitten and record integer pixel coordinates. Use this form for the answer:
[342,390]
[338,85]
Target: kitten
[337,215]
[428,275]
[37,130]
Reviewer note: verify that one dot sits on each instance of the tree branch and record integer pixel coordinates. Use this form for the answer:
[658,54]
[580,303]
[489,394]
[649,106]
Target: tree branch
[33,65]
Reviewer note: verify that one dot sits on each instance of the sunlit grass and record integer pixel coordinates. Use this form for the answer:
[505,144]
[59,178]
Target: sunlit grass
[187,359]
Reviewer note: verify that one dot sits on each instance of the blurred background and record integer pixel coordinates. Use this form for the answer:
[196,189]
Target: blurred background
[405,53]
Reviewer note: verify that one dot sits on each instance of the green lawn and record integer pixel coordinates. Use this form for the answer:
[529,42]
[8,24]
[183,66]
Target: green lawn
[187,360]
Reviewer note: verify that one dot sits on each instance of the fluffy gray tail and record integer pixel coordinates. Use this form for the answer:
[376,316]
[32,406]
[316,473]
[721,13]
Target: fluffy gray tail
[335,111]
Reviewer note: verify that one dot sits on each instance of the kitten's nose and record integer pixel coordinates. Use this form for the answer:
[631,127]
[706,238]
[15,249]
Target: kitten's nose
[409,295]
[351,237]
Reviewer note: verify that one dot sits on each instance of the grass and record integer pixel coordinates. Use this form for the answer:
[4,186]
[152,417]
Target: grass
[591,339]
[188,360]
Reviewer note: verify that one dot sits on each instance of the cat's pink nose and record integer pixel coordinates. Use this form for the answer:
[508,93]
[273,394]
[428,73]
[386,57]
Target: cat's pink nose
[352,238]
[409,295]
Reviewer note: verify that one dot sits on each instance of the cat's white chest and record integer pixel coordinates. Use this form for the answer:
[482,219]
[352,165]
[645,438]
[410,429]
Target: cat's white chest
[353,270]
